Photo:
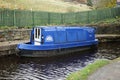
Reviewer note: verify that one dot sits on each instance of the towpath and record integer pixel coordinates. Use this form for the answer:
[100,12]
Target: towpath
[107,35]
[108,72]
[6,43]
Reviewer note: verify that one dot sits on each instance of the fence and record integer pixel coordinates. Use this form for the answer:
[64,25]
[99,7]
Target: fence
[32,18]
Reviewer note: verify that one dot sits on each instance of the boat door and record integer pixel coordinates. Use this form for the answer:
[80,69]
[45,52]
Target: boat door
[37,36]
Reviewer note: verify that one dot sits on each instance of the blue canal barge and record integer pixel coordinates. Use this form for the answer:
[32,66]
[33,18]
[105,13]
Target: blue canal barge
[52,41]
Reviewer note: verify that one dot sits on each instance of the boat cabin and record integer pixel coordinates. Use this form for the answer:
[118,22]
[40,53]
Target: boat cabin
[59,35]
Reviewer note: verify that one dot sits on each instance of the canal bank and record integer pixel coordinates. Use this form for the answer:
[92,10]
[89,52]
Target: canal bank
[9,47]
[109,72]
[99,70]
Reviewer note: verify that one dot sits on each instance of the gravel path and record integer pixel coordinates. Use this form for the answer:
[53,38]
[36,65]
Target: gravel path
[108,72]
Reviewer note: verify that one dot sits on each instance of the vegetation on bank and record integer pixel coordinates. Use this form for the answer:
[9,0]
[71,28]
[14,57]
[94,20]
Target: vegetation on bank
[43,5]
[88,70]
[105,22]
[108,21]
[104,3]
[57,5]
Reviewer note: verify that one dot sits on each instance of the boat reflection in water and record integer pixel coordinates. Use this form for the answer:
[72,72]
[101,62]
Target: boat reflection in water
[52,68]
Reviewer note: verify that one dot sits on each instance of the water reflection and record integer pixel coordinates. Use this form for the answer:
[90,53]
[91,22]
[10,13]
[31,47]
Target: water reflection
[54,68]
[109,50]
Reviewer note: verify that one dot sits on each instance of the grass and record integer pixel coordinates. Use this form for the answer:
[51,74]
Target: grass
[105,22]
[43,5]
[88,70]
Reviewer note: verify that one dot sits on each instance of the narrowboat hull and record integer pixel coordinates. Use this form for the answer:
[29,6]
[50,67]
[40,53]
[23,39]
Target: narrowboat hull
[29,50]
[57,52]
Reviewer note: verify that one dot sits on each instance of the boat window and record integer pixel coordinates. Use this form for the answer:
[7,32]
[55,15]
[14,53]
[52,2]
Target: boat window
[32,37]
[36,33]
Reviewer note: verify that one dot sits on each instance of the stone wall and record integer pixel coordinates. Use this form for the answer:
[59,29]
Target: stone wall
[8,49]
[16,34]
[108,29]
[24,34]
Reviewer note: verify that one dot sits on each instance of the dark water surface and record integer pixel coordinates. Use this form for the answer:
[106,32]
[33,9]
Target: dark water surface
[54,68]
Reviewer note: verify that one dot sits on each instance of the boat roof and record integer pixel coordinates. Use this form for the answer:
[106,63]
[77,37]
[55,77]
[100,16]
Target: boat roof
[62,27]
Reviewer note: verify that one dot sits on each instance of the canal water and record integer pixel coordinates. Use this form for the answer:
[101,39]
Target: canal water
[54,68]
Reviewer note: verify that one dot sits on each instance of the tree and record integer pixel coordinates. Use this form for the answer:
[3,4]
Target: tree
[104,3]
[89,3]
